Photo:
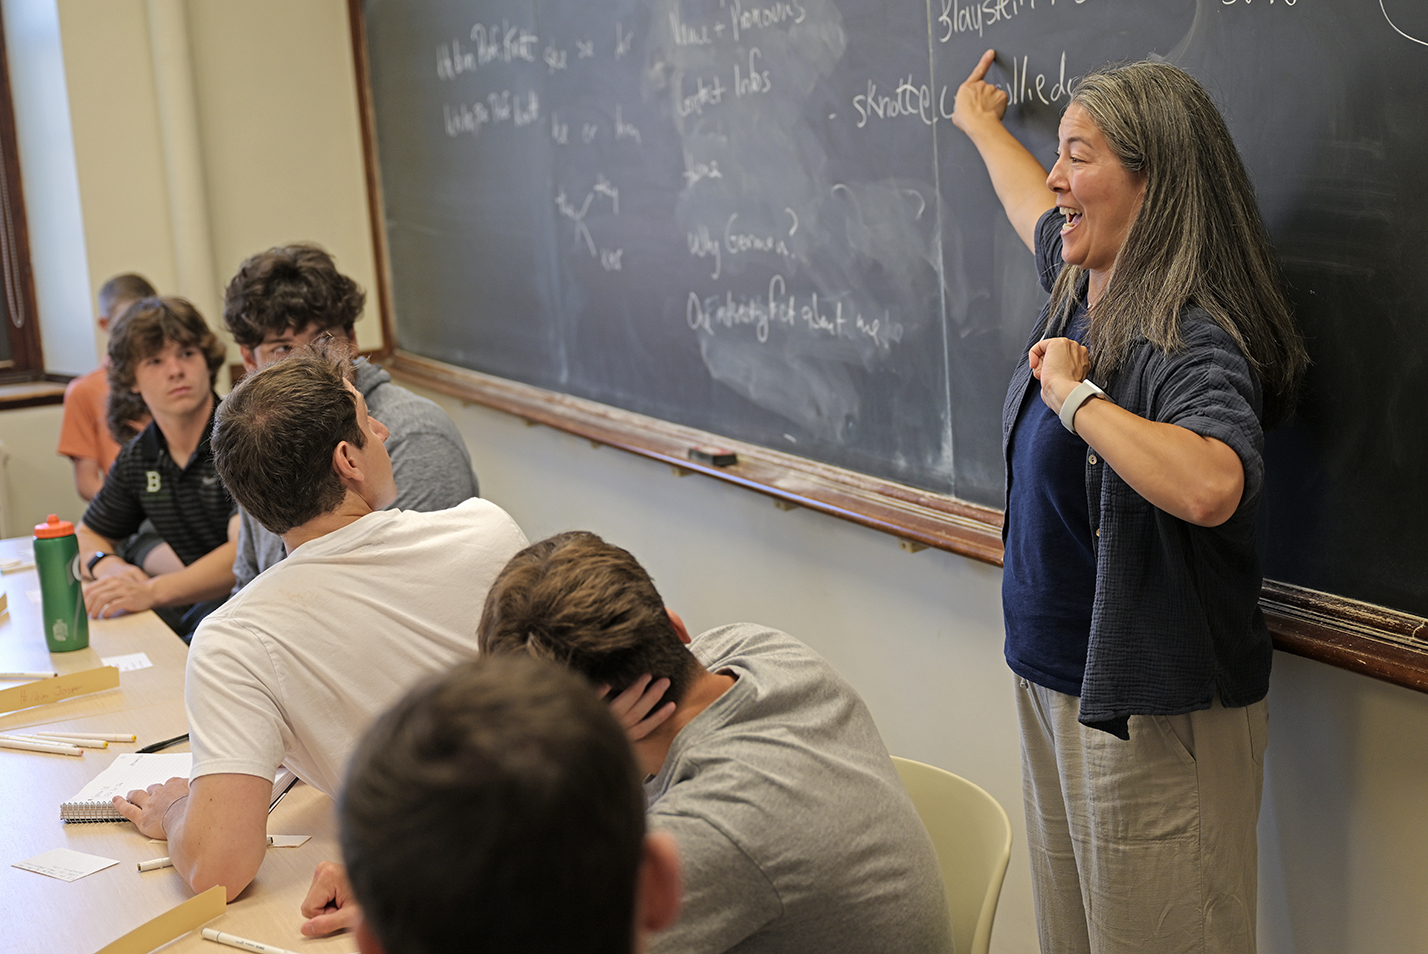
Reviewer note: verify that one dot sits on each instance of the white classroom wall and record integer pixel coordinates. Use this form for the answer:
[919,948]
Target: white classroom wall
[1343,830]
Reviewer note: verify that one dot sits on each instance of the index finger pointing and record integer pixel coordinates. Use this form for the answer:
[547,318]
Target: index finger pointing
[980,70]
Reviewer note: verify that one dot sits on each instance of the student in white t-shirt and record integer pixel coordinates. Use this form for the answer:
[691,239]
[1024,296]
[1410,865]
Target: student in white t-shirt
[295,667]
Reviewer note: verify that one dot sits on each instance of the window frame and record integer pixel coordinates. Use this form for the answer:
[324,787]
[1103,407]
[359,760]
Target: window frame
[27,361]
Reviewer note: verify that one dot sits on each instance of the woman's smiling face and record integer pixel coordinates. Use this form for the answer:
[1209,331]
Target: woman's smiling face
[1098,197]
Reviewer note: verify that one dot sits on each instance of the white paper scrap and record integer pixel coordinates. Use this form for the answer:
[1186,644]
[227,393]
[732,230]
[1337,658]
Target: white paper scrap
[128,662]
[288,841]
[66,864]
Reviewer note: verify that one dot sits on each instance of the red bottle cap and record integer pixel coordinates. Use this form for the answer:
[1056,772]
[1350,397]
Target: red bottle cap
[53,527]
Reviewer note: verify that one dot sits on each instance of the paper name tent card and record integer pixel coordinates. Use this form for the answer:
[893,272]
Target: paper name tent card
[95,802]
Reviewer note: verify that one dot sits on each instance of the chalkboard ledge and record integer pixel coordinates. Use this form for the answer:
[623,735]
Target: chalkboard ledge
[1360,637]
[920,518]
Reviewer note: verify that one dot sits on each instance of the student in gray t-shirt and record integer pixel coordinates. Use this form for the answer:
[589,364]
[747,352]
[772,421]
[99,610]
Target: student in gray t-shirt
[284,298]
[794,831]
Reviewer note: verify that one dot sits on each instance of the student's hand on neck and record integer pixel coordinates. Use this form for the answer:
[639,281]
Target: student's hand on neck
[704,690]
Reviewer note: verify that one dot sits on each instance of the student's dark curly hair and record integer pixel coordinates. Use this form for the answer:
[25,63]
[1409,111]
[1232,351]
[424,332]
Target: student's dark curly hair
[290,286]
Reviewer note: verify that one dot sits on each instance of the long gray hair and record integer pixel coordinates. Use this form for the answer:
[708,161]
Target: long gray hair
[1198,239]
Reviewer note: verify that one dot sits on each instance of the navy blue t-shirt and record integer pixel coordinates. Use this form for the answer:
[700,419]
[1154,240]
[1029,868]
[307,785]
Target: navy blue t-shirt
[1049,580]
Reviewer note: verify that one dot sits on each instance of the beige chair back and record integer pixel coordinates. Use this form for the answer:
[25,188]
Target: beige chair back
[972,837]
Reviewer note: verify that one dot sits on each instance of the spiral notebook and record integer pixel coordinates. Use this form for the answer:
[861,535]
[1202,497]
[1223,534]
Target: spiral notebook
[95,802]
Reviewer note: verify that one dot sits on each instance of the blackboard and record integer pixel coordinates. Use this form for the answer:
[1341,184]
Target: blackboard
[752,218]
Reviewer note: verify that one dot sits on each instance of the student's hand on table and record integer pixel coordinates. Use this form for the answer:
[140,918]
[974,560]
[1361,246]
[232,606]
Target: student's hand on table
[329,905]
[113,565]
[146,807]
[632,707]
[128,591]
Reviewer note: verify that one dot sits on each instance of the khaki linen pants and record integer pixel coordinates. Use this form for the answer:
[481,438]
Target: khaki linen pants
[1146,846]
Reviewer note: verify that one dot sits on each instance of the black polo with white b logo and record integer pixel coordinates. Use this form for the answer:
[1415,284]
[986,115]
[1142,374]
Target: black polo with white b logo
[189,506]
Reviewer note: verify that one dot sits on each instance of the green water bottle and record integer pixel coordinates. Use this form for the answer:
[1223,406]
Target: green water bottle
[62,597]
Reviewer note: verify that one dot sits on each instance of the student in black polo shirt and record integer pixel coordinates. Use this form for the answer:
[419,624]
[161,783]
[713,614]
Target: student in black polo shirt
[162,350]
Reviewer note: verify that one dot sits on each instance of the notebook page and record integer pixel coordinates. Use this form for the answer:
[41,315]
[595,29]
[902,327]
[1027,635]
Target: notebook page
[135,770]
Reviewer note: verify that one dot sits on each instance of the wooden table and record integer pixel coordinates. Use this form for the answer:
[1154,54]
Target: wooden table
[44,914]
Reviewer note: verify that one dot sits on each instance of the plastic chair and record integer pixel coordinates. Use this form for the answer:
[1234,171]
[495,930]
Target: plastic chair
[972,837]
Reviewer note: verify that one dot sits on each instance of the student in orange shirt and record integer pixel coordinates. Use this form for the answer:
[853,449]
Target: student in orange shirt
[84,434]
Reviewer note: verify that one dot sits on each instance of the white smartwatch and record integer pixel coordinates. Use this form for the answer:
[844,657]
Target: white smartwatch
[1079,395]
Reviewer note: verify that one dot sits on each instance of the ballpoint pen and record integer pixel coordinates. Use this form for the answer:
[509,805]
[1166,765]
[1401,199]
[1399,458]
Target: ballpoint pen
[156,746]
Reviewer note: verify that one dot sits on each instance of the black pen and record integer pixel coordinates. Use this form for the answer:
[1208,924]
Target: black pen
[156,746]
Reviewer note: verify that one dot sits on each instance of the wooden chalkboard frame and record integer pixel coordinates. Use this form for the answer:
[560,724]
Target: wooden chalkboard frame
[1372,640]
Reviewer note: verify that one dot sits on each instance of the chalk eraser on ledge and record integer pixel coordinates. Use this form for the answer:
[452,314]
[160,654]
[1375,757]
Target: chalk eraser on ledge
[714,456]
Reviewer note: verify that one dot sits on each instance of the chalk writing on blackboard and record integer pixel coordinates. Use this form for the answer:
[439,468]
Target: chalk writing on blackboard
[753,217]
[1383,5]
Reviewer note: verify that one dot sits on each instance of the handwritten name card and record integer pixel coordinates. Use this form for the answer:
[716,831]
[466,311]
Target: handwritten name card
[55,690]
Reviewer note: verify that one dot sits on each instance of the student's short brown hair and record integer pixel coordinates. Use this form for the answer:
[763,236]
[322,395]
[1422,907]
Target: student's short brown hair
[142,331]
[290,287]
[588,604]
[274,435]
[116,294]
[497,808]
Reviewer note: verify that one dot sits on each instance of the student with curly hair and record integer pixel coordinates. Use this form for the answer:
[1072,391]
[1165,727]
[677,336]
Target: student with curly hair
[162,350]
[286,297]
